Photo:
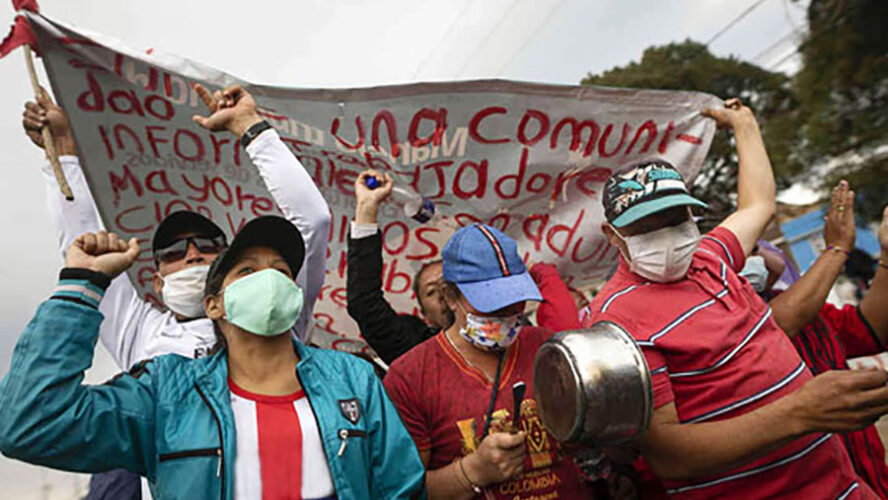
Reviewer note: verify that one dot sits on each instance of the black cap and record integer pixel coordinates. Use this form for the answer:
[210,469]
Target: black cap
[267,231]
[178,223]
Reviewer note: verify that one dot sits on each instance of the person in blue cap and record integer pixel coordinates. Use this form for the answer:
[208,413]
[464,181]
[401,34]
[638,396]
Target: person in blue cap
[453,390]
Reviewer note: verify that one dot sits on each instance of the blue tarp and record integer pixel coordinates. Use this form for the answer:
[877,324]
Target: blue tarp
[805,237]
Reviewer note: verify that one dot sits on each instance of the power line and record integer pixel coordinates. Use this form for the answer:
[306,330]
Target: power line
[793,33]
[447,33]
[487,37]
[814,36]
[735,21]
[527,40]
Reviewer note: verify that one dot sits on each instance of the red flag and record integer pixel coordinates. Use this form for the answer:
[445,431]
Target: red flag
[30,5]
[20,34]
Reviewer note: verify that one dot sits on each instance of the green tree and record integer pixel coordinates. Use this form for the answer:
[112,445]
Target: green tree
[690,66]
[842,90]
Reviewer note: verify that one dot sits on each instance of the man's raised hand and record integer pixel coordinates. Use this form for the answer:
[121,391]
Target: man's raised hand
[368,202]
[102,252]
[733,114]
[838,227]
[232,109]
[43,113]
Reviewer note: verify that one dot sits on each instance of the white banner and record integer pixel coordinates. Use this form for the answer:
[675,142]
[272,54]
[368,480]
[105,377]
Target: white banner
[529,159]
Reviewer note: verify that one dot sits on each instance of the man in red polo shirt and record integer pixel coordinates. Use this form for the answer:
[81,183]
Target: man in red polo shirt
[737,413]
[825,335]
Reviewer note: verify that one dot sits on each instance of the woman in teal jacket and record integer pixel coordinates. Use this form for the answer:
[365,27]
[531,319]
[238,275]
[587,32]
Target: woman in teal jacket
[170,419]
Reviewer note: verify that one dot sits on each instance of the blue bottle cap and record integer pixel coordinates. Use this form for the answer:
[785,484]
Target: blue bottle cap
[371,182]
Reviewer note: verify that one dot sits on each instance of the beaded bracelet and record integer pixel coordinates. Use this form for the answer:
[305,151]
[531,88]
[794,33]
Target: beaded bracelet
[838,248]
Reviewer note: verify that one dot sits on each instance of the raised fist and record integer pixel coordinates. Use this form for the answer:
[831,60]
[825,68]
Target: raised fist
[102,252]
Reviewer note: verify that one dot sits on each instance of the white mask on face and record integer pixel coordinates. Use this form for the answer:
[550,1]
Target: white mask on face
[663,255]
[756,273]
[183,291]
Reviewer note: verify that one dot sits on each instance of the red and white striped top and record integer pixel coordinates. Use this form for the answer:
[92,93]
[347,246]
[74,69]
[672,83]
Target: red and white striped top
[279,451]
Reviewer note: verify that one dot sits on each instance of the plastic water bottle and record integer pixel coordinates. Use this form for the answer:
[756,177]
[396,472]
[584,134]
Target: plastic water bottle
[416,206]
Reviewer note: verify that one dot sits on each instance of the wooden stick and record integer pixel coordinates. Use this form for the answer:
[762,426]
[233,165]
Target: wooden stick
[48,144]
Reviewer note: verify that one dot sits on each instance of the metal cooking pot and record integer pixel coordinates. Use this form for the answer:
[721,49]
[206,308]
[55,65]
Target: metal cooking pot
[593,386]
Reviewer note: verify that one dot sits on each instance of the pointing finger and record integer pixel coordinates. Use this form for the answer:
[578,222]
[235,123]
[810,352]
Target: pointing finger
[205,96]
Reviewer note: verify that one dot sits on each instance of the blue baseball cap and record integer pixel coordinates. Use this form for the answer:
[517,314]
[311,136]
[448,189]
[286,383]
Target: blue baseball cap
[484,263]
[643,189]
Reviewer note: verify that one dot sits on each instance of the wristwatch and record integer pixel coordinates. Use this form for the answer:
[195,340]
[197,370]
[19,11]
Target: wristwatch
[253,132]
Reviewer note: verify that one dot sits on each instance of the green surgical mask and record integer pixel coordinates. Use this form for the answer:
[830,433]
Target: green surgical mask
[265,303]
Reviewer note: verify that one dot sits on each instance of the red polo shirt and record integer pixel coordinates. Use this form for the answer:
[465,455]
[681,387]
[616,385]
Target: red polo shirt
[714,350]
[825,344]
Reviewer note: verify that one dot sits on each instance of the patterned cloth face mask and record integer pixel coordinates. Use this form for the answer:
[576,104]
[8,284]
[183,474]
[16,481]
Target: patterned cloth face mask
[491,333]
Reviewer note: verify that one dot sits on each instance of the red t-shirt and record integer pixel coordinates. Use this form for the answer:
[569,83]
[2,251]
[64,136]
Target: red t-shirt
[825,344]
[714,350]
[443,402]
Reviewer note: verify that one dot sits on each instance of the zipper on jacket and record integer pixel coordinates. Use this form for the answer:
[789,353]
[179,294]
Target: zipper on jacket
[203,452]
[318,422]
[220,450]
[344,434]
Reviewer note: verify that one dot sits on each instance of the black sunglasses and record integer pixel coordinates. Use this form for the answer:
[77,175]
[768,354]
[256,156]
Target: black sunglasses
[179,248]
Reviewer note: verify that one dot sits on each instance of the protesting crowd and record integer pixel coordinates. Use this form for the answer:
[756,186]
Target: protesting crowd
[222,396]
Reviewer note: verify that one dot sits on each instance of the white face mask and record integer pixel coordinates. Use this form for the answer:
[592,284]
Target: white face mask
[663,255]
[756,273]
[183,291]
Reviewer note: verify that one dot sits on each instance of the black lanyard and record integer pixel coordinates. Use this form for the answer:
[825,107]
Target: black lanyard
[496,382]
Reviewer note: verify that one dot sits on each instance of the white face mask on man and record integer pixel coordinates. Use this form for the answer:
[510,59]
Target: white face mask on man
[663,255]
[183,291]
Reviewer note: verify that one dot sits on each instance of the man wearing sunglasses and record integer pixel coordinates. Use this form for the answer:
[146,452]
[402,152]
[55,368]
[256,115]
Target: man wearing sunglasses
[185,243]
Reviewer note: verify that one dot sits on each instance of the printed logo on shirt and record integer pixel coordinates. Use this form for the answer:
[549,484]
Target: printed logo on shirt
[539,448]
[350,409]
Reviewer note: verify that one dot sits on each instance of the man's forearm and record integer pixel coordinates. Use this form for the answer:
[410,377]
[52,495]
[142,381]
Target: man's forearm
[756,190]
[366,213]
[755,180]
[682,451]
[801,302]
[874,305]
[387,332]
[71,218]
[447,483]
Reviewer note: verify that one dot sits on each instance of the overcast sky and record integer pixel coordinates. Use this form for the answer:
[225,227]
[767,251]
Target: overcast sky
[342,43]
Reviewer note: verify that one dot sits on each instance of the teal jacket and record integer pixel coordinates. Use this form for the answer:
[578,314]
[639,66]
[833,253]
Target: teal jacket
[170,419]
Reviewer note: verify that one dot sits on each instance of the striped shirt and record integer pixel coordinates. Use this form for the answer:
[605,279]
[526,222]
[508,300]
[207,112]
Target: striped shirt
[279,450]
[825,344]
[714,350]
